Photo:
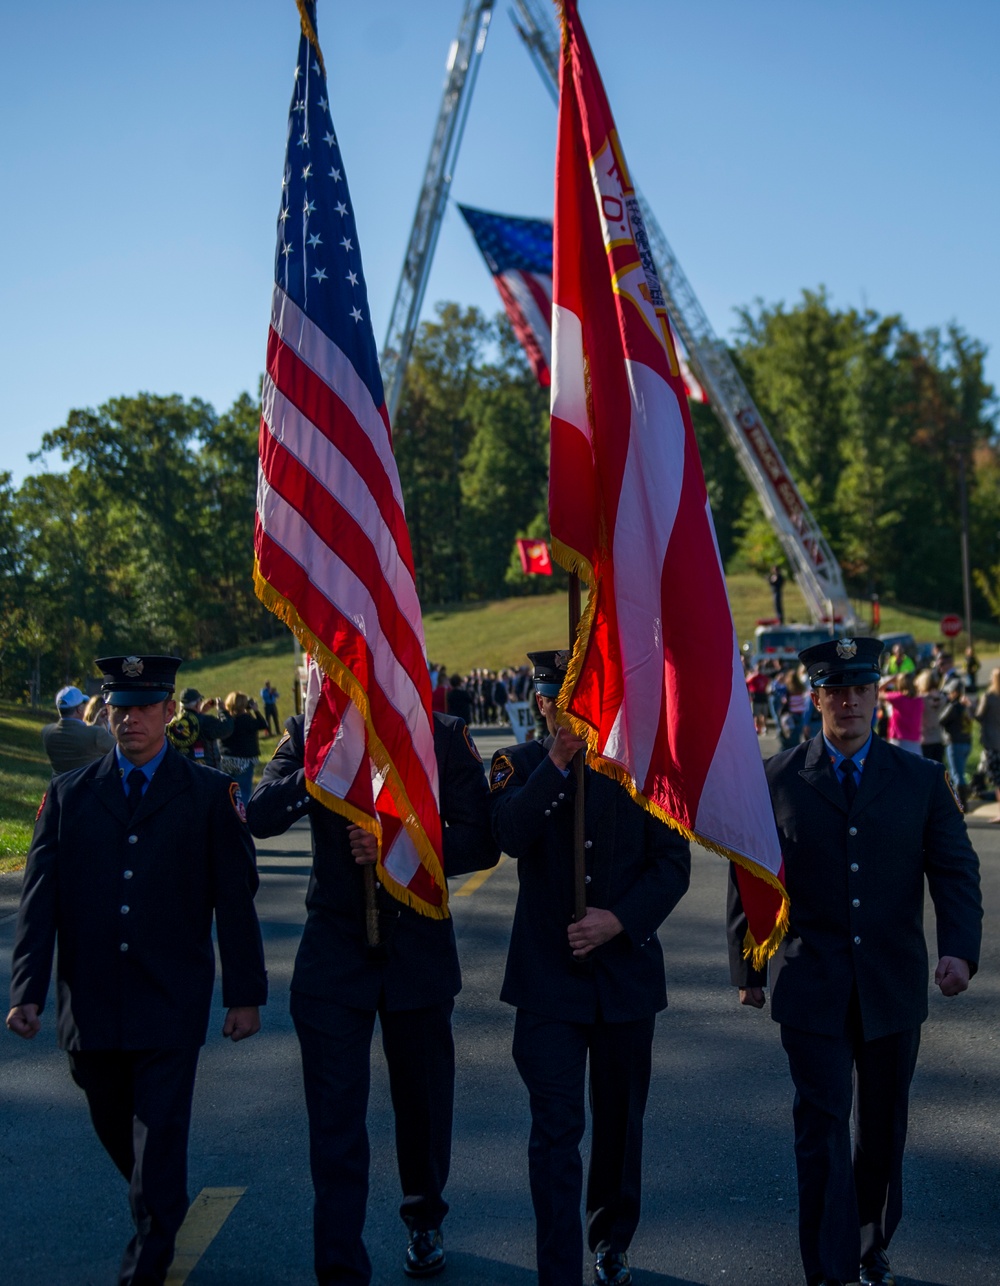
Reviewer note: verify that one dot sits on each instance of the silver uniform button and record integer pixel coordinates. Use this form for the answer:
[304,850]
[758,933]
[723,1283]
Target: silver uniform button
[133,839]
[548,812]
[288,808]
[856,902]
[588,843]
[586,879]
[852,830]
[128,875]
[854,866]
[124,910]
[555,803]
[562,794]
[857,942]
[123,947]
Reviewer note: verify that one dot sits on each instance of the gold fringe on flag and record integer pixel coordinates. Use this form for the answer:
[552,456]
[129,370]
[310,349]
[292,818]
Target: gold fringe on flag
[309,31]
[757,952]
[338,673]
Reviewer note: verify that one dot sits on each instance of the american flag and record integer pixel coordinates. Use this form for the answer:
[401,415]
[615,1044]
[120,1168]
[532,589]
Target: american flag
[518,252]
[655,682]
[333,555]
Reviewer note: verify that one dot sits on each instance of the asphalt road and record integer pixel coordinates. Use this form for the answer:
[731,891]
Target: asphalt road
[719,1199]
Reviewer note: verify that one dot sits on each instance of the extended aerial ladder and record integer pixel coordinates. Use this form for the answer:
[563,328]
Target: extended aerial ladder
[813,564]
[461,70]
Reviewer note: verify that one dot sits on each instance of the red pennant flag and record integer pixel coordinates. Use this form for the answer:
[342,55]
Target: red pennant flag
[534,555]
[655,681]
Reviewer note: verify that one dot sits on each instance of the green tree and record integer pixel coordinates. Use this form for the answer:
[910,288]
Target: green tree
[874,422]
[504,473]
[431,436]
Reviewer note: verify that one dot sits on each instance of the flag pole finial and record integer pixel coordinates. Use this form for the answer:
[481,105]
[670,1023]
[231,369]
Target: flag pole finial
[307,10]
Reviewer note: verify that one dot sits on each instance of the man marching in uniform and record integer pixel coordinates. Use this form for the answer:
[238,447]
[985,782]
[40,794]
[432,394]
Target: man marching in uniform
[130,859]
[584,990]
[339,985]
[862,825]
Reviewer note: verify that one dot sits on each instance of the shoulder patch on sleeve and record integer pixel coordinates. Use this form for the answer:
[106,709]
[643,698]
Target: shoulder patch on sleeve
[285,736]
[471,744]
[45,795]
[236,799]
[501,772]
[947,777]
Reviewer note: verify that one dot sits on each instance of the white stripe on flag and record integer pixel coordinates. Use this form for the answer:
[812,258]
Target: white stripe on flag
[330,364]
[643,527]
[541,326]
[401,861]
[569,393]
[300,438]
[336,581]
[734,809]
[346,754]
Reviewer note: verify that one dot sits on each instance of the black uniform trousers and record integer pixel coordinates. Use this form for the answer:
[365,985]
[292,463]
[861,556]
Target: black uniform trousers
[849,1205]
[140,1104]
[336,1069]
[551,1057]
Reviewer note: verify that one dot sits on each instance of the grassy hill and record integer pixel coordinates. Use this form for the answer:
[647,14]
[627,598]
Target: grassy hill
[476,634]
[24,775]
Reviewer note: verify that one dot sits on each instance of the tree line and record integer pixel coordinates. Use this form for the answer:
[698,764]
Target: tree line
[143,539]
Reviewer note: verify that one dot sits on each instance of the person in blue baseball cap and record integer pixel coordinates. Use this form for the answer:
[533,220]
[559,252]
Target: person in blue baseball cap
[71,742]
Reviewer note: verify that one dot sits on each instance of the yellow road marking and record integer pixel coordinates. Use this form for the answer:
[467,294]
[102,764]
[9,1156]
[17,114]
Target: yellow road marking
[478,879]
[209,1211]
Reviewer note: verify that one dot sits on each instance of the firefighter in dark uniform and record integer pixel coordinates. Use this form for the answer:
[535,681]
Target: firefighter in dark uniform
[338,986]
[584,990]
[130,858]
[862,825]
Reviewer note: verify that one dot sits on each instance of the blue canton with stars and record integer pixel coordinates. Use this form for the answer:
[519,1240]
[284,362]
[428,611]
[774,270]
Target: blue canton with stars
[511,244]
[318,260]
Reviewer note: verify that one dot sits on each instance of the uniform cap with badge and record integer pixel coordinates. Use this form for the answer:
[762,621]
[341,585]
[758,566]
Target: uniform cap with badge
[549,671]
[843,663]
[137,680]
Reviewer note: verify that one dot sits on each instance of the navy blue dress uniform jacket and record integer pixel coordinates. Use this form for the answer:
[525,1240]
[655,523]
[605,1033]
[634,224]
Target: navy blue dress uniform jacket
[421,965]
[856,883]
[130,904]
[637,867]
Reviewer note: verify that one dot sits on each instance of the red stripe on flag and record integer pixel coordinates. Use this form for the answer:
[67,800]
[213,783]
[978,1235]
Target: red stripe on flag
[278,566]
[323,408]
[524,331]
[340,532]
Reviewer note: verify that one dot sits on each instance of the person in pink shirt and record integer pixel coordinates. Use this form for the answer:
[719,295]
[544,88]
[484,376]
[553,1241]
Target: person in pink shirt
[906,712]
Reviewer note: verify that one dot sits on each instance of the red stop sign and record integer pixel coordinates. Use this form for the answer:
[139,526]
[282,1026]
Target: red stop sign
[951,626]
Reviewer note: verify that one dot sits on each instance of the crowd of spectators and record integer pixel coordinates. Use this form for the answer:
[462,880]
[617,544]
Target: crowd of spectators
[481,696]
[926,709]
[219,733]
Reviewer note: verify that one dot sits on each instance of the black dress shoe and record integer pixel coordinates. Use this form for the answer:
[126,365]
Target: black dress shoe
[424,1253]
[875,1270]
[611,1268]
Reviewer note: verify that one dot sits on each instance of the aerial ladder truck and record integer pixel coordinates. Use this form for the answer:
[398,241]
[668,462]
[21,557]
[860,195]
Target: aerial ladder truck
[813,564]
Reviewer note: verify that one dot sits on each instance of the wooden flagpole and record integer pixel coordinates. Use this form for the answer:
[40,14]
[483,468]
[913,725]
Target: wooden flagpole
[579,761]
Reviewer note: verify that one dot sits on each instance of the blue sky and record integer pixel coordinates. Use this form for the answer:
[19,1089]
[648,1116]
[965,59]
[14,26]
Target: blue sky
[782,145]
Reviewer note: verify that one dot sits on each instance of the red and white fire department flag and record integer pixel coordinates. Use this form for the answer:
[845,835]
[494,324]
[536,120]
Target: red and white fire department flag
[333,555]
[655,682]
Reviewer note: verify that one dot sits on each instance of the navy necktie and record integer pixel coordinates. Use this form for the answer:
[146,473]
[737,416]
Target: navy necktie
[847,780]
[134,796]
